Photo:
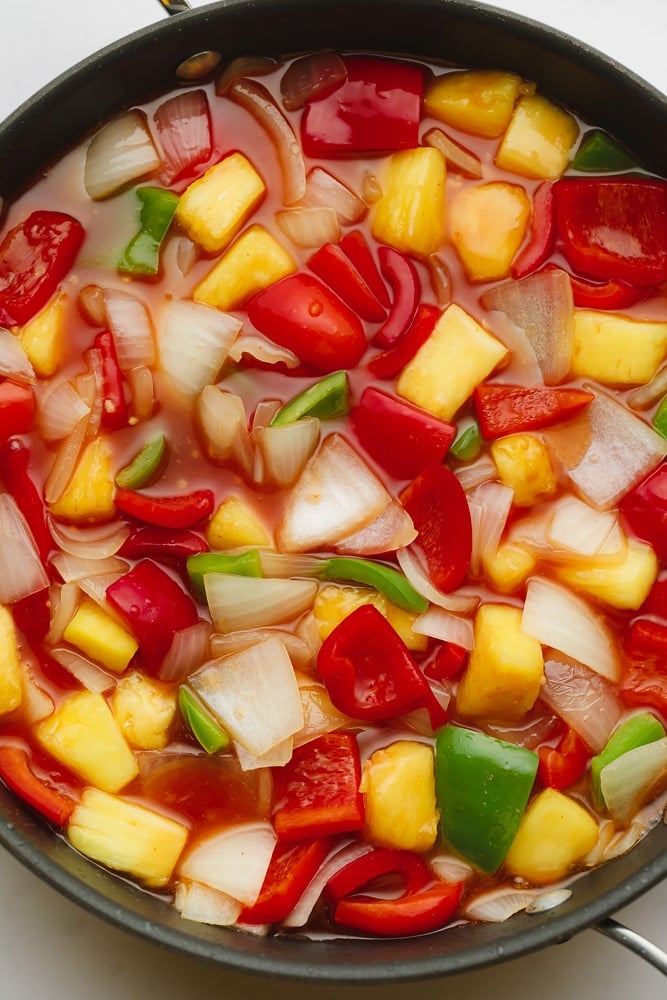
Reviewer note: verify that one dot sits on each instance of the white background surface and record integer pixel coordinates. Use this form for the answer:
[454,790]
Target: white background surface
[51,950]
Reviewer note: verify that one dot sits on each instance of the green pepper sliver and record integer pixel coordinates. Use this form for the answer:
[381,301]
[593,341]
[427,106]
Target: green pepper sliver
[635,732]
[239,563]
[387,580]
[467,444]
[142,254]
[326,399]
[660,418]
[482,786]
[599,152]
[211,736]
[143,466]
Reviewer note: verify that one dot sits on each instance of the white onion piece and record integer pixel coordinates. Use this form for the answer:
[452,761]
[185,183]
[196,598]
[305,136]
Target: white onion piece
[570,531]
[498,905]
[320,714]
[223,421]
[549,900]
[286,448]
[624,840]
[234,861]
[342,856]
[254,695]
[473,474]
[440,624]
[323,190]
[645,396]
[449,868]
[74,568]
[95,587]
[36,704]
[309,227]
[193,341]
[263,350]
[522,366]
[490,505]
[459,159]
[64,462]
[231,642]
[131,328]
[14,361]
[121,152]
[583,699]
[410,563]
[60,411]
[284,564]
[309,76]
[183,126]
[90,386]
[392,529]
[556,618]
[205,905]
[142,391]
[264,413]
[188,649]
[88,674]
[64,602]
[277,756]
[243,66]
[96,542]
[633,779]
[244,602]
[21,570]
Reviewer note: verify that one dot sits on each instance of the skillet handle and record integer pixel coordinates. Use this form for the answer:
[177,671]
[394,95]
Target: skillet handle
[635,942]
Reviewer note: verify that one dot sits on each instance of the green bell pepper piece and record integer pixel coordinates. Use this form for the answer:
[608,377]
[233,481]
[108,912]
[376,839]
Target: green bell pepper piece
[660,418]
[142,254]
[467,444]
[482,786]
[635,732]
[240,563]
[211,736]
[599,152]
[387,580]
[326,399]
[144,466]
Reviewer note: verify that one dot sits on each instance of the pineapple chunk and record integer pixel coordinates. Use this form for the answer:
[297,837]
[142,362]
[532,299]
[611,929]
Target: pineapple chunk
[144,710]
[127,837]
[553,835]
[234,524]
[254,261]
[213,208]
[42,337]
[476,101]
[398,784]
[488,224]
[334,603]
[623,584]
[505,670]
[410,215]
[11,689]
[616,350]
[524,465]
[509,567]
[458,355]
[539,139]
[84,736]
[101,637]
[90,492]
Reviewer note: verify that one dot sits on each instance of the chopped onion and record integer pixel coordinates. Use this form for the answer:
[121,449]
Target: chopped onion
[243,66]
[95,587]
[90,386]
[583,699]
[64,462]
[461,160]
[243,602]
[21,570]
[570,531]
[549,900]
[131,328]
[309,76]
[319,713]
[193,342]
[183,125]
[188,649]
[633,779]
[223,421]
[522,367]
[256,99]
[36,704]
[96,542]
[490,505]
[284,564]
[450,868]
[498,905]
[392,529]
[277,756]
[262,350]
[645,396]
[342,856]
[64,602]
[323,190]
[72,569]
[120,153]
[60,411]
[441,279]
[206,905]
[253,694]
[286,448]
[234,861]
[264,413]
[412,567]
[142,391]
[231,642]
[473,474]
[88,674]
[14,361]
[90,302]
[309,227]
[440,624]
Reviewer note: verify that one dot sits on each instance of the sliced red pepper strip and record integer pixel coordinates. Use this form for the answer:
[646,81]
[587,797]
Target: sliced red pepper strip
[291,869]
[541,241]
[17,408]
[645,510]
[391,362]
[646,638]
[438,506]
[357,250]
[645,687]
[447,663]
[17,774]
[35,256]
[561,766]
[400,437]
[317,791]
[369,672]
[417,913]
[150,542]
[166,512]
[115,412]
[15,463]
[612,294]
[412,871]
[510,409]
[656,602]
[403,278]
[331,264]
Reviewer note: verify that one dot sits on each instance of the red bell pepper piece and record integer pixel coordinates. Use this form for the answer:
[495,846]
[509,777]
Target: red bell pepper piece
[150,542]
[302,314]
[400,437]
[35,256]
[438,506]
[561,766]
[357,250]
[369,672]
[646,638]
[613,228]
[612,294]
[154,606]
[317,791]
[15,463]
[166,512]
[412,871]
[645,686]
[32,614]
[656,602]
[402,276]
[541,233]
[510,409]
[17,409]
[645,510]
[115,412]
[331,264]
[415,913]
[17,774]
[292,867]
[376,109]
[447,663]
[391,362]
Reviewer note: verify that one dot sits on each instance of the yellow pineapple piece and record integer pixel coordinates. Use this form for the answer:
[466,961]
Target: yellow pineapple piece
[84,736]
[623,584]
[505,670]
[11,688]
[410,214]
[213,208]
[127,837]
[524,465]
[334,603]
[554,834]
[539,139]
[508,567]
[234,524]
[616,350]
[144,710]
[90,492]
[488,224]
[458,355]
[42,337]
[477,101]
[398,785]
[101,637]
[254,261]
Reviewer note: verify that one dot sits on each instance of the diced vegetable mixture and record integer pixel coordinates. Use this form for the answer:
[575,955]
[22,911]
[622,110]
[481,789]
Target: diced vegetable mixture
[333,424]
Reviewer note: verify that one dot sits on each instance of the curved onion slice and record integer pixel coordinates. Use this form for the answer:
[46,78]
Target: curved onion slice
[309,227]
[193,341]
[64,602]
[548,900]
[277,756]
[341,857]
[460,602]
[121,152]
[21,570]
[323,190]
[285,449]
[309,76]
[231,642]
[645,396]
[583,699]
[262,350]
[74,568]
[473,474]
[392,529]
[60,411]
[88,674]
[224,424]
[440,624]
[319,713]
[14,361]
[205,905]
[256,99]
[96,542]
[498,905]
[243,602]
[131,328]
[234,861]
[459,159]
[449,868]
[633,779]
[183,125]
[490,505]
[142,391]
[243,66]
[570,532]
[64,462]
[188,649]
